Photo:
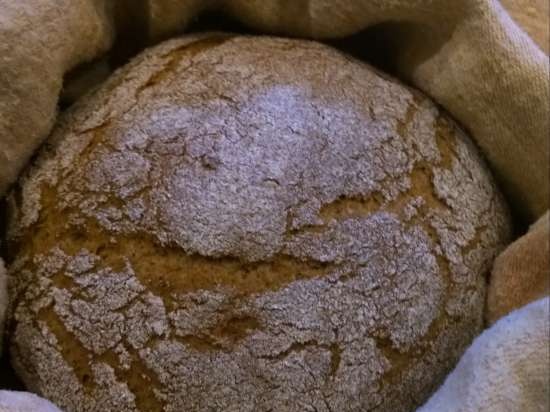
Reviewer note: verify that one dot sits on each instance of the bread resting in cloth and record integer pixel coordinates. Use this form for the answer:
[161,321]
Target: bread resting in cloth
[237,223]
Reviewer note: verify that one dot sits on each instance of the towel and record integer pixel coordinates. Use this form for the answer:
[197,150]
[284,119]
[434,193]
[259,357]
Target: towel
[505,370]
[532,16]
[12,401]
[40,41]
[468,55]
[521,273]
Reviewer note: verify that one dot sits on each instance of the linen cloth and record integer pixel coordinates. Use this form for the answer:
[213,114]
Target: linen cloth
[521,274]
[468,55]
[13,401]
[505,369]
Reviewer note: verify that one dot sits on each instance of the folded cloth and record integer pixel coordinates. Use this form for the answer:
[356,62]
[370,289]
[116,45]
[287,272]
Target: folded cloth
[521,274]
[506,369]
[11,401]
[40,40]
[533,16]
[468,55]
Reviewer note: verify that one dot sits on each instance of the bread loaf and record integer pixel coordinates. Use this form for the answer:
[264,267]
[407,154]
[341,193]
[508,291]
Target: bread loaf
[249,224]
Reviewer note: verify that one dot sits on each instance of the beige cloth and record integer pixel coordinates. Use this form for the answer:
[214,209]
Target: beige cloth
[467,54]
[532,16]
[521,274]
[12,401]
[505,370]
[40,40]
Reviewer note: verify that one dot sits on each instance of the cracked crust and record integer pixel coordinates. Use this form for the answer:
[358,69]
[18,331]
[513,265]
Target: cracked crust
[249,224]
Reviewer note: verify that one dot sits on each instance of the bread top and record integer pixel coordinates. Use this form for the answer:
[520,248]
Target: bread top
[280,130]
[260,197]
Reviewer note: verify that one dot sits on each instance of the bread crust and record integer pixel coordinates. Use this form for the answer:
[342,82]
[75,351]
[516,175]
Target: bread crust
[250,224]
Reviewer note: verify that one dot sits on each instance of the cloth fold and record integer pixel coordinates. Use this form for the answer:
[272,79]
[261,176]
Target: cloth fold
[521,274]
[505,370]
[468,55]
[40,40]
[12,401]
[532,16]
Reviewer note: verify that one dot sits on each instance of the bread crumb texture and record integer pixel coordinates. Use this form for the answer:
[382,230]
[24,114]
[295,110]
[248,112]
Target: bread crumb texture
[249,224]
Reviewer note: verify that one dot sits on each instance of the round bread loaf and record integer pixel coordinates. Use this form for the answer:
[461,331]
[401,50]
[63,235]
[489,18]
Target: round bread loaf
[249,224]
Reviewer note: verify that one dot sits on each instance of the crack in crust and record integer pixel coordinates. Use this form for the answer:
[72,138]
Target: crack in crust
[213,230]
